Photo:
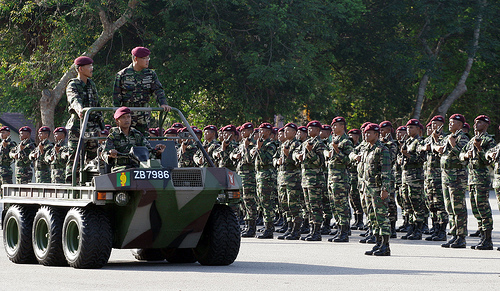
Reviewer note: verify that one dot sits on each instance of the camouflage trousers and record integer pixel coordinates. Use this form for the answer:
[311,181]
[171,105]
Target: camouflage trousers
[392,209]
[480,203]
[5,175]
[338,188]
[141,120]
[415,196]
[43,175]
[249,187]
[290,193]
[314,205]
[354,198]
[328,212]
[58,175]
[24,175]
[454,196]
[265,186]
[377,210]
[435,201]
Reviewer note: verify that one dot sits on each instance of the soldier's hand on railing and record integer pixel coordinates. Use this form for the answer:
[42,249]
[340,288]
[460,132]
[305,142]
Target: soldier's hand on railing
[113,153]
[166,108]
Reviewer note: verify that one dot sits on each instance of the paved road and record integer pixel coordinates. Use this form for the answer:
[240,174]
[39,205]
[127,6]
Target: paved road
[279,265]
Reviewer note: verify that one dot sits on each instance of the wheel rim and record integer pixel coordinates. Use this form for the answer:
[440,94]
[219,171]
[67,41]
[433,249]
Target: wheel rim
[41,236]
[12,234]
[72,238]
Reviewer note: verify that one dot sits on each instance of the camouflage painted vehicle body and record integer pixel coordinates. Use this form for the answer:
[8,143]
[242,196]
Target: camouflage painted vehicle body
[177,214]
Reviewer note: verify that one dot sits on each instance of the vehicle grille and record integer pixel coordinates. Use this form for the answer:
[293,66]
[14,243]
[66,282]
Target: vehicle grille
[187,178]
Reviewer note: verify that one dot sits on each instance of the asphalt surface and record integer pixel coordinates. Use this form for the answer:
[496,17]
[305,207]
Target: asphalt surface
[279,265]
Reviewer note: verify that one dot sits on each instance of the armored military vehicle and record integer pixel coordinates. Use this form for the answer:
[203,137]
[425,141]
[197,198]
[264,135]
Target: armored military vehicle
[162,212]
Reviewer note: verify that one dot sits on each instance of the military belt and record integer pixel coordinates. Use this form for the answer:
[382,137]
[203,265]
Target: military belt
[407,167]
[337,166]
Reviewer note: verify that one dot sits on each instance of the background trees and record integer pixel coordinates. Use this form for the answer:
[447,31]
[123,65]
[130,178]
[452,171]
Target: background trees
[238,60]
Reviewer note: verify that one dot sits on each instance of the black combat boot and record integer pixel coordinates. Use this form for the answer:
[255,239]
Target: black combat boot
[377,245]
[487,243]
[404,226]
[441,234]
[335,232]
[305,229]
[316,233]
[269,232]
[295,234]
[325,227]
[481,235]
[475,234]
[417,231]
[368,237]
[384,249]
[287,232]
[284,228]
[409,232]
[344,234]
[366,233]
[434,231]
[250,231]
[460,243]
[450,242]
[360,223]
[393,230]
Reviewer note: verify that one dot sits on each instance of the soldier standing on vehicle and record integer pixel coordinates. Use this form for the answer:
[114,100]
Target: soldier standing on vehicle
[376,179]
[24,172]
[121,140]
[82,92]
[210,144]
[6,146]
[57,156]
[479,179]
[311,158]
[134,86]
[454,177]
[42,167]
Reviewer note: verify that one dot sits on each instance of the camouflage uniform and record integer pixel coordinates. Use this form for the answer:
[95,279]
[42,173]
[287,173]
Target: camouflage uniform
[186,159]
[42,167]
[210,147]
[354,193]
[493,157]
[376,177]
[264,177]
[58,165]
[479,180]
[81,95]
[24,172]
[413,180]
[223,156]
[454,177]
[6,161]
[328,207]
[392,146]
[313,177]
[123,144]
[338,179]
[134,89]
[246,169]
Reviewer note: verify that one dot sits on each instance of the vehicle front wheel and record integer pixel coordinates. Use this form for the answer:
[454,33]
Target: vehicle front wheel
[47,236]
[17,227]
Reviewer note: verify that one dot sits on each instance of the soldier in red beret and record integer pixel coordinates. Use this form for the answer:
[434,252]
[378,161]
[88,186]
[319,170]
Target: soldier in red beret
[210,143]
[6,146]
[222,153]
[24,173]
[58,156]
[38,156]
[301,133]
[134,86]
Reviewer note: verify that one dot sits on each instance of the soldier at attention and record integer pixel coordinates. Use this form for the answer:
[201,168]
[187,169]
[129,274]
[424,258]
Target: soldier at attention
[58,155]
[121,140]
[24,172]
[134,86]
[6,146]
[42,167]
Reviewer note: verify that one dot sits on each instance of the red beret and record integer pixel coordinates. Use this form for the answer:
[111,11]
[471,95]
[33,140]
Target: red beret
[177,125]
[438,118]
[104,132]
[338,119]
[210,127]
[414,122]
[483,118]
[266,125]
[154,131]
[302,128]
[314,123]
[44,129]
[365,124]
[372,126]
[229,127]
[402,127]
[60,129]
[6,128]
[466,125]
[429,124]
[107,126]
[171,131]
[326,127]
[121,111]
[458,117]
[83,60]
[385,124]
[140,52]
[246,125]
[291,125]
[25,128]
[281,129]
[275,130]
[197,131]
[354,131]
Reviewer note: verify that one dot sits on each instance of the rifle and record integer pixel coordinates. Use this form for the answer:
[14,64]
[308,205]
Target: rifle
[455,135]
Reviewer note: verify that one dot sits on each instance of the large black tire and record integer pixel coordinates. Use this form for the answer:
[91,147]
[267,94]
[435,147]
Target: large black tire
[87,238]
[180,256]
[148,254]
[47,236]
[220,242]
[17,226]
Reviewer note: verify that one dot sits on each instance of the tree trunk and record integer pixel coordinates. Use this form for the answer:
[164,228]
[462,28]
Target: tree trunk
[420,96]
[50,98]
[461,88]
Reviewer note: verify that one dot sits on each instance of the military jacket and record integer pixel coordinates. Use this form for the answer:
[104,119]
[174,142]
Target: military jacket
[432,164]
[264,156]
[23,161]
[5,159]
[40,162]
[341,159]
[493,155]
[312,171]
[134,89]
[210,148]
[450,159]
[81,95]
[478,165]
[288,164]
[186,159]
[376,173]
[247,162]
[223,156]
[60,158]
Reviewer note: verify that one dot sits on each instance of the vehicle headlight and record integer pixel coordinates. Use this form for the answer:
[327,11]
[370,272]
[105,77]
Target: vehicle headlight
[121,198]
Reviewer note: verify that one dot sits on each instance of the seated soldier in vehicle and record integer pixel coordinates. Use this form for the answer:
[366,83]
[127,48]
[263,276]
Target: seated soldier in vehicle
[122,139]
